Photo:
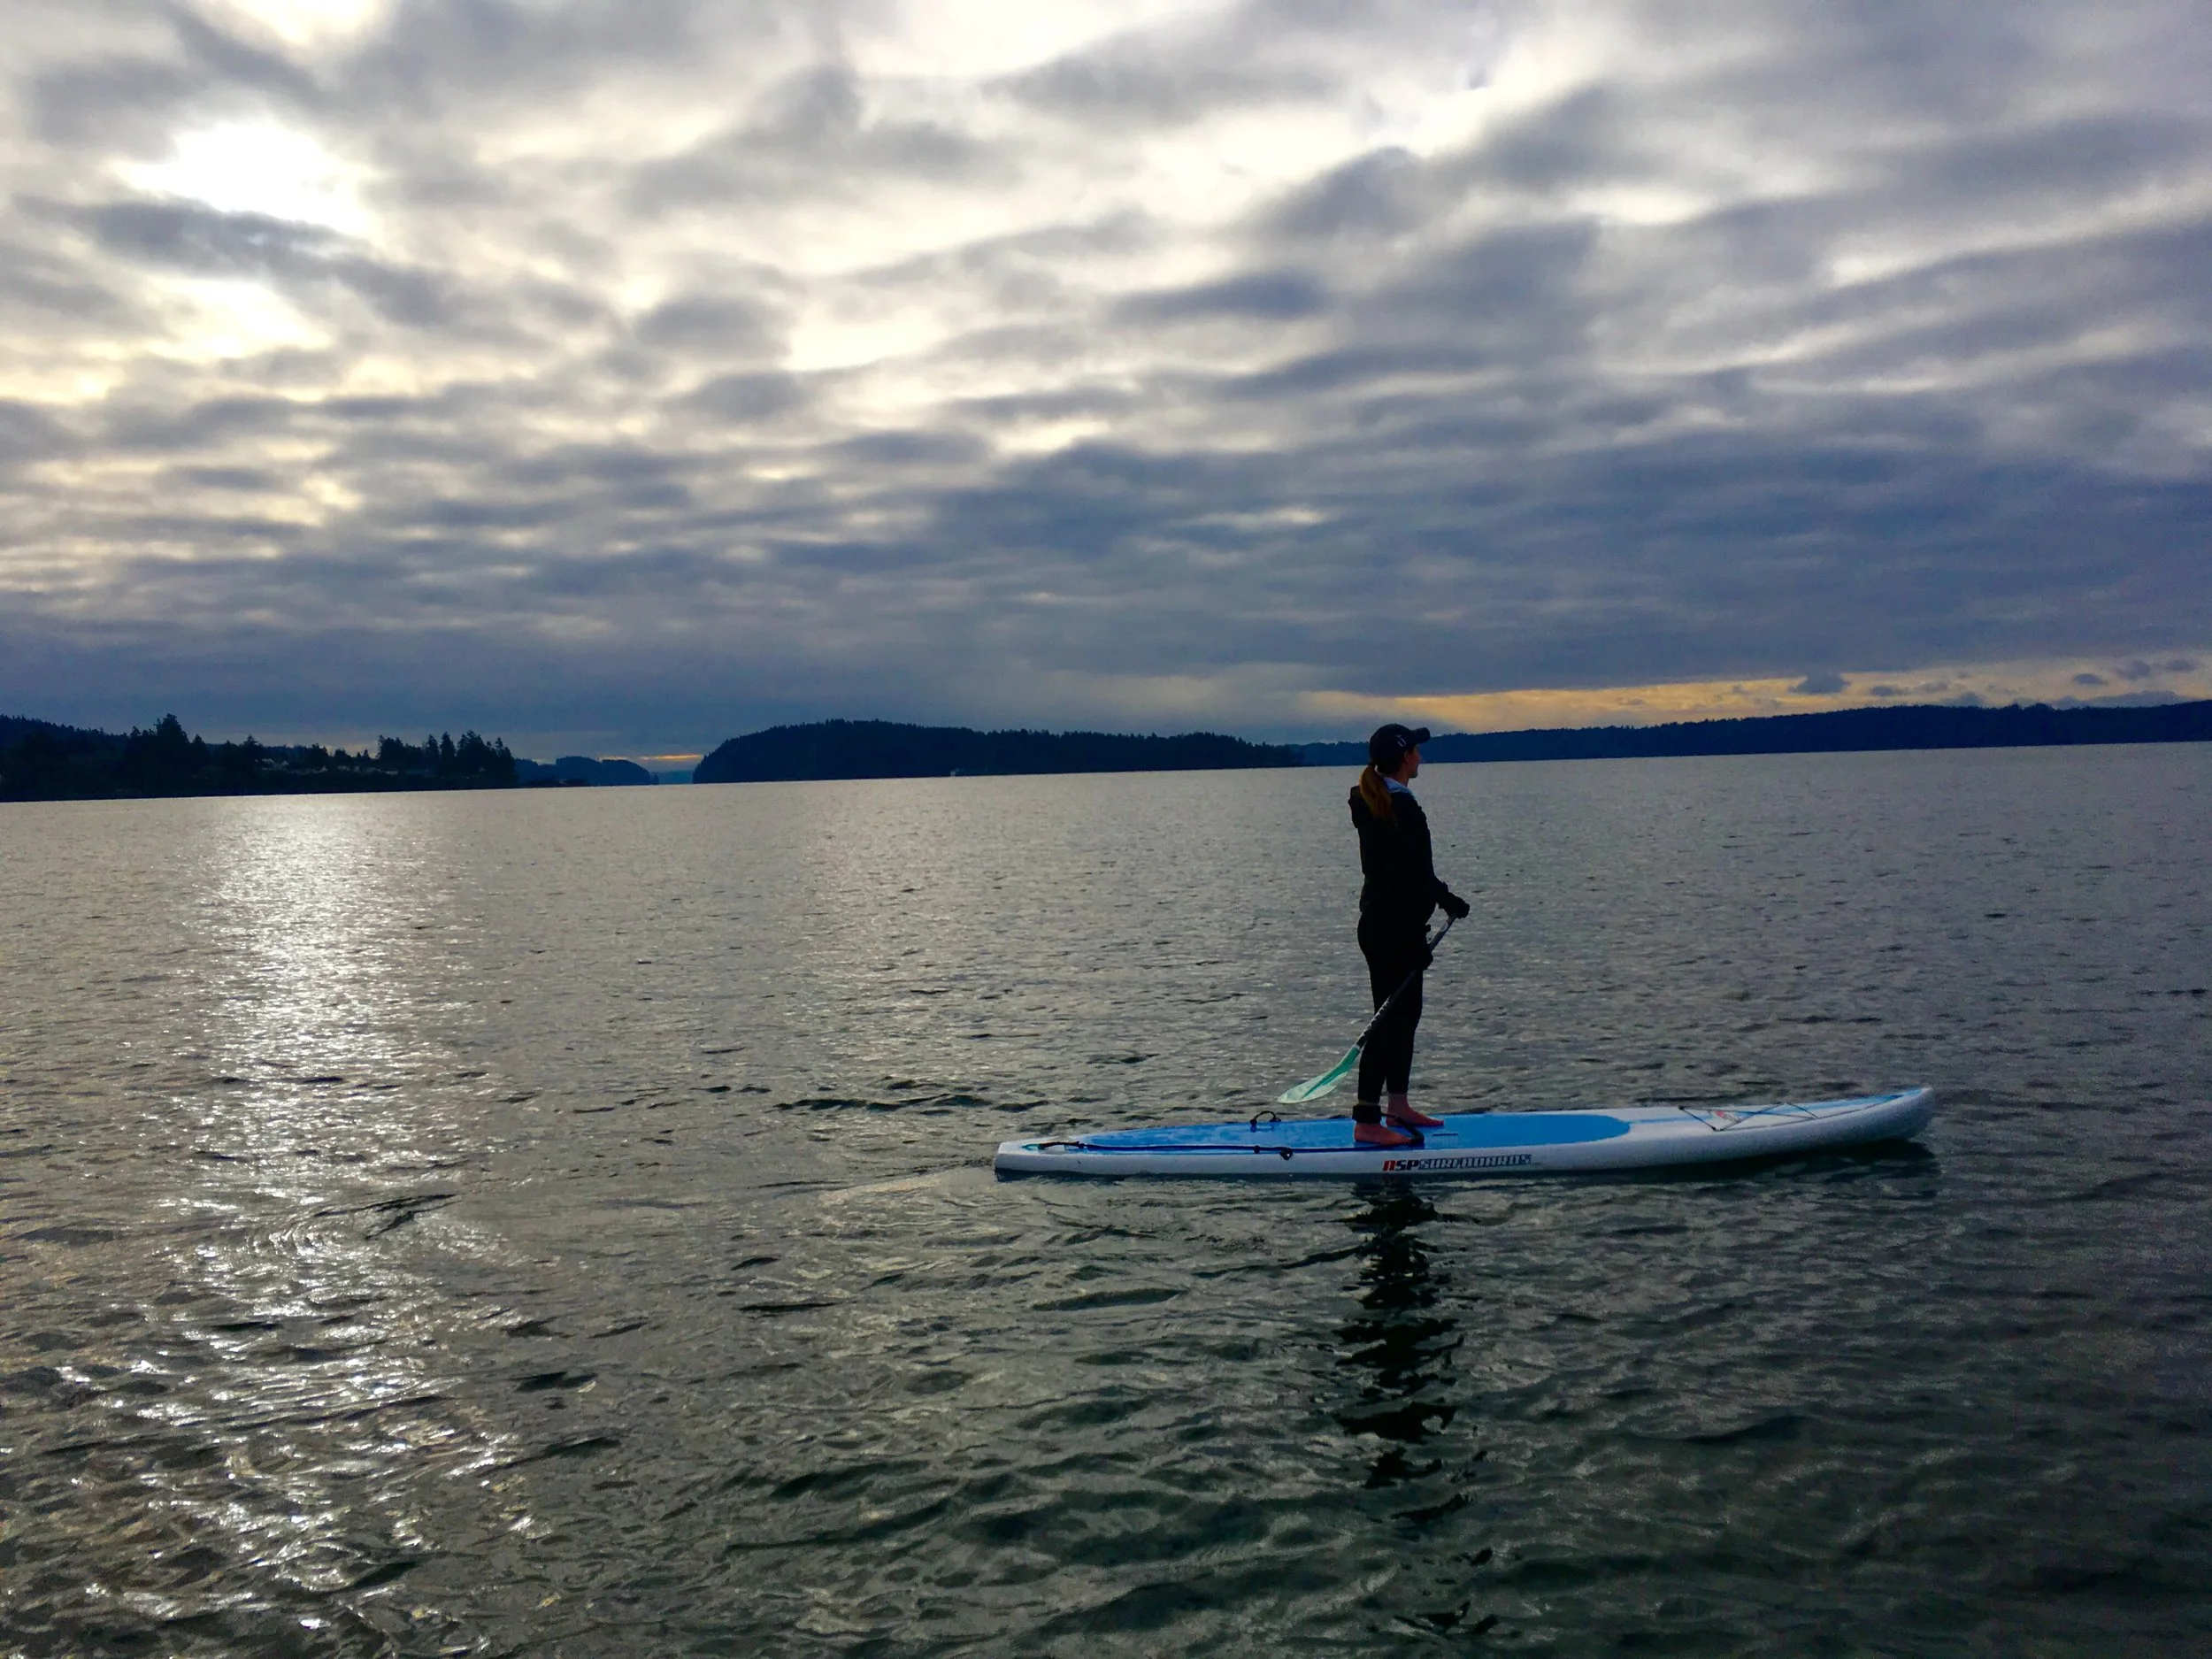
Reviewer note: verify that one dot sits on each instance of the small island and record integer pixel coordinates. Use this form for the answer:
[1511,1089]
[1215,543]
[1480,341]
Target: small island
[574,770]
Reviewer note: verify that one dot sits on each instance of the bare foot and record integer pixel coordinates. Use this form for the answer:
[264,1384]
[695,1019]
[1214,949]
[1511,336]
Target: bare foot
[1407,1117]
[1382,1135]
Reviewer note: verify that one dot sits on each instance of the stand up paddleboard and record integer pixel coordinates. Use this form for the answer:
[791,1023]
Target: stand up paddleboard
[1484,1143]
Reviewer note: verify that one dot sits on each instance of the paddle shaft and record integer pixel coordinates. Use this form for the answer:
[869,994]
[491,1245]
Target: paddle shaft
[1314,1088]
[1390,1002]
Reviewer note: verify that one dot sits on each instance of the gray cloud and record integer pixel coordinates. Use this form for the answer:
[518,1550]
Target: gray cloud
[1274,296]
[672,367]
[195,240]
[707,324]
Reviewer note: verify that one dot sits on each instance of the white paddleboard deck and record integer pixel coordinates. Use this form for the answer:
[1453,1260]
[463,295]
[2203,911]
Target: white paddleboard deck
[1484,1143]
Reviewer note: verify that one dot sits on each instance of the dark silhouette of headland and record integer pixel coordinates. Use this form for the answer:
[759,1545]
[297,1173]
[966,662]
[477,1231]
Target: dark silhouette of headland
[881,748]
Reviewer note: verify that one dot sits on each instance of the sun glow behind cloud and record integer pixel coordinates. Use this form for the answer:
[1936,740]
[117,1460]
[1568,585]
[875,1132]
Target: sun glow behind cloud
[258,167]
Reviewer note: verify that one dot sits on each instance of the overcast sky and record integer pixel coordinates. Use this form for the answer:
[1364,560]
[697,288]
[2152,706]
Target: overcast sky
[621,376]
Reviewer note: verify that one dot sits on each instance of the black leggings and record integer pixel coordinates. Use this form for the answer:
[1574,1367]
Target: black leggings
[1386,1062]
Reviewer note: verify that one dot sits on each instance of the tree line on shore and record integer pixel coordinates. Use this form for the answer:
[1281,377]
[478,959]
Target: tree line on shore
[41,760]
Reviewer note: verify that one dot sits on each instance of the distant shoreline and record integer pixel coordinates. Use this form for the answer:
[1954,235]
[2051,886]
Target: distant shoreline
[42,761]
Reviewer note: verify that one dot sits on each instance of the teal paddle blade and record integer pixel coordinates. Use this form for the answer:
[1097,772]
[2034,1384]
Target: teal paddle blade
[1314,1087]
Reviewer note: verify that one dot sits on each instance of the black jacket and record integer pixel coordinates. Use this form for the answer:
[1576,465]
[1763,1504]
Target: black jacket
[1400,891]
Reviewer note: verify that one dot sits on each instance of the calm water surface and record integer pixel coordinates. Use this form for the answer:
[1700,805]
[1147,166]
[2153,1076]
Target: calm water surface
[561,1223]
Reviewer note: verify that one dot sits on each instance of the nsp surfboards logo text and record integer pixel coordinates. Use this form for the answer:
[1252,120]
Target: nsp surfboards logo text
[1494,1161]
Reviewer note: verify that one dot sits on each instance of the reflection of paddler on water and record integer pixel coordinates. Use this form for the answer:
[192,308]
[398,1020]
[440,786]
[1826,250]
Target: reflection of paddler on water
[1401,1339]
[1400,1346]
[1399,893]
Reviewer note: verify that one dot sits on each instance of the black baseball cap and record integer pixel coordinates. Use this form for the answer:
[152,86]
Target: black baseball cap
[1387,748]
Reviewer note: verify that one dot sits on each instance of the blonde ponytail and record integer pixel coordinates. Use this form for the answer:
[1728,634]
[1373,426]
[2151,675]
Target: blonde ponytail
[1373,790]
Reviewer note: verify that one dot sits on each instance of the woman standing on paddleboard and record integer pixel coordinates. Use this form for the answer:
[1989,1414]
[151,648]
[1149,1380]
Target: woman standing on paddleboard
[1399,894]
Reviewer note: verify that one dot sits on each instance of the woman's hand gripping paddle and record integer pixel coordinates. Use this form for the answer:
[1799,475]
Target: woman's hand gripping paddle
[1314,1087]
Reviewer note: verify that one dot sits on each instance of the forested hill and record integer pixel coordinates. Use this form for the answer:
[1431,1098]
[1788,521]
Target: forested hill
[881,748]
[1910,726]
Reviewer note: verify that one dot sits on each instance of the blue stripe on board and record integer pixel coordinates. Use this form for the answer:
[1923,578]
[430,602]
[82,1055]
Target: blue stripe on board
[1334,1134]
